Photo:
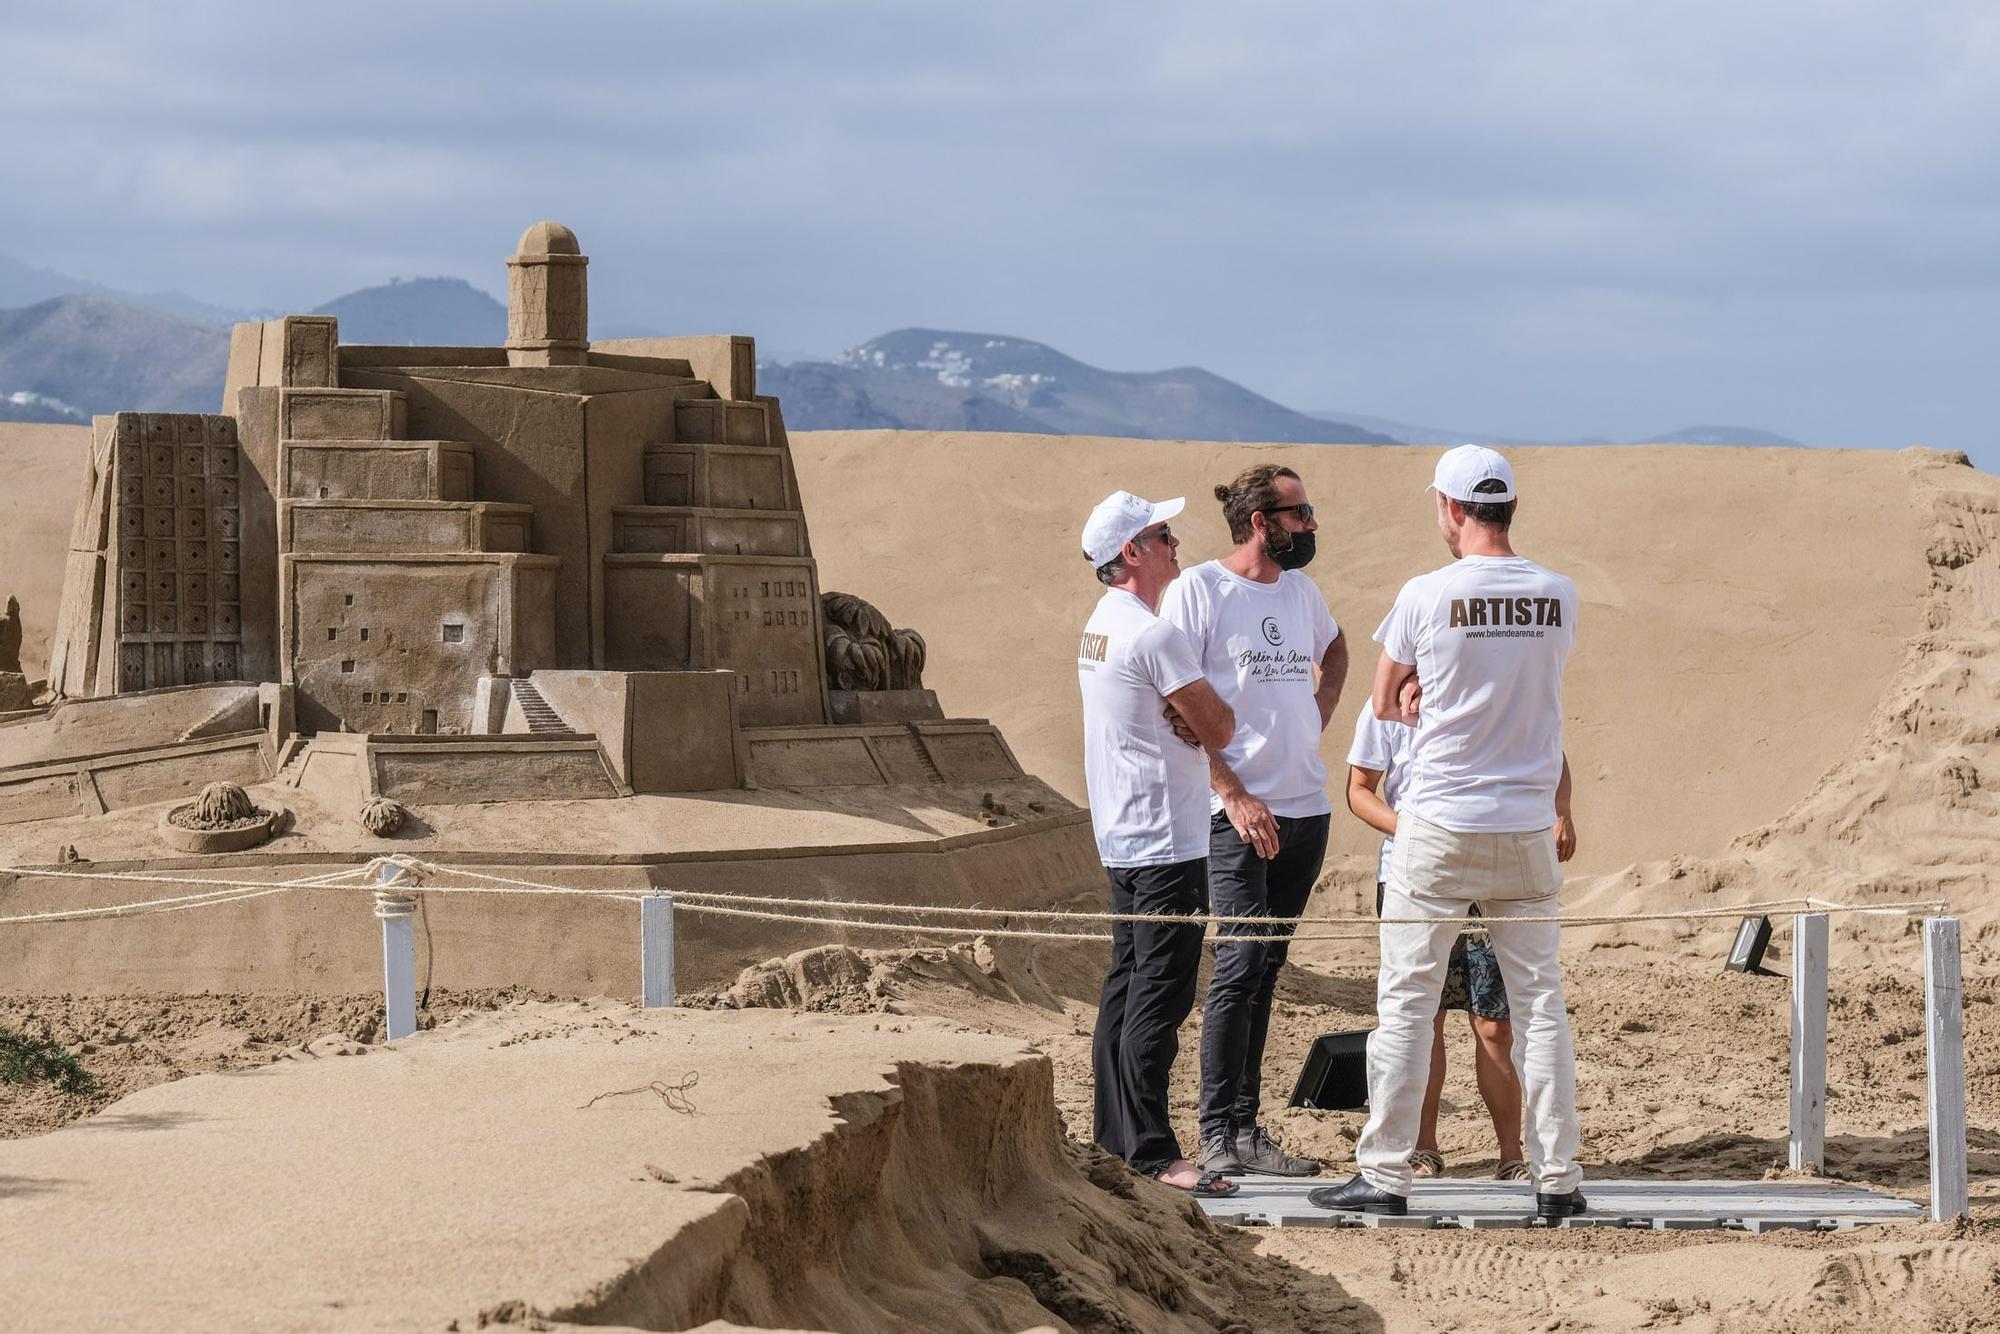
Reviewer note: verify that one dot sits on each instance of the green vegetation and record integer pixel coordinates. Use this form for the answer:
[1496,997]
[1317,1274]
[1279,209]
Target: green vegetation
[25,1060]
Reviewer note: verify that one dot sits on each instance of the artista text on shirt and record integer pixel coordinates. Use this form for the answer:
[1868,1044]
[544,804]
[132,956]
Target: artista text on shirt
[1264,666]
[1506,611]
[1092,650]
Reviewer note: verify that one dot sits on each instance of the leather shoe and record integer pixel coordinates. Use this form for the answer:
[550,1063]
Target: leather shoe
[1357,1196]
[1550,1208]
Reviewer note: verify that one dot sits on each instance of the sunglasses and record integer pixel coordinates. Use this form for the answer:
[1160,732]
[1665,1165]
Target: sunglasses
[1302,509]
[1160,534]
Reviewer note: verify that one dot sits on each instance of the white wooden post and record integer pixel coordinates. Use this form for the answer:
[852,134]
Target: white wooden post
[656,951]
[1808,1148]
[395,907]
[1944,1031]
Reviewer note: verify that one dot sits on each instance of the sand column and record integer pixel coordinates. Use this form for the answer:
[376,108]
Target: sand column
[548,305]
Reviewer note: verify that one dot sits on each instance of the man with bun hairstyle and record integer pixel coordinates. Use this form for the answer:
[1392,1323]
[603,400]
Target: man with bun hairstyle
[1264,636]
[1473,657]
[1149,811]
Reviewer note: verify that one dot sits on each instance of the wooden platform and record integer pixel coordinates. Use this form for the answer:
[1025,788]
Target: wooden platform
[1750,1206]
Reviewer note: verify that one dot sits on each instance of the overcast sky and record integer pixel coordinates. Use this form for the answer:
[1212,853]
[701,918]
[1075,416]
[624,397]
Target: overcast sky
[1534,219]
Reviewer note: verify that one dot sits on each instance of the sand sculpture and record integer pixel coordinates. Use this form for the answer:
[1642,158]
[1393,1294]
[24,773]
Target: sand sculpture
[221,819]
[14,689]
[383,817]
[557,568]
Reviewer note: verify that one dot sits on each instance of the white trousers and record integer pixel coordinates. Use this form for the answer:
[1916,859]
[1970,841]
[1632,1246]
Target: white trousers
[1434,872]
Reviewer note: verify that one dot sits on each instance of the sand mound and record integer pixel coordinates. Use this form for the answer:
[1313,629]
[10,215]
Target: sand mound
[1907,811]
[819,1172]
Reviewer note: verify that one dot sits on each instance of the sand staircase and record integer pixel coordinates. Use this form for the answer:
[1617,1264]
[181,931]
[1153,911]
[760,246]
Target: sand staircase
[541,715]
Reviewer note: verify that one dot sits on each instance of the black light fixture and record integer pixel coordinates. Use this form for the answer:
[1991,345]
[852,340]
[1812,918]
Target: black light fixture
[1335,1075]
[1746,955]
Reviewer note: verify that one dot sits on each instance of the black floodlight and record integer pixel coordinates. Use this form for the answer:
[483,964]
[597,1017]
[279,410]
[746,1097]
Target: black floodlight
[1746,955]
[1335,1075]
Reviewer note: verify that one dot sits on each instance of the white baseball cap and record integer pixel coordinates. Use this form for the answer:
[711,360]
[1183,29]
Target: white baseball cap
[1462,469]
[1120,517]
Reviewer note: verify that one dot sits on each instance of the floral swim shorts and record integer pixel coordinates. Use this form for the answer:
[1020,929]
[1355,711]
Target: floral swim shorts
[1472,976]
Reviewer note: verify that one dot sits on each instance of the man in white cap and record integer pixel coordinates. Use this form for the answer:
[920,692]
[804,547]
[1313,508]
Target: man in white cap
[1473,657]
[1149,810]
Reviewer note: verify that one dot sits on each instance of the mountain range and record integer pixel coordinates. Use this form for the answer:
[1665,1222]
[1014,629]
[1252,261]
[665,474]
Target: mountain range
[933,379]
[72,348]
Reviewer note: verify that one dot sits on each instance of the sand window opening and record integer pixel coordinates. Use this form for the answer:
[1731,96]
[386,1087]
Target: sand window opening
[453,632]
[347,665]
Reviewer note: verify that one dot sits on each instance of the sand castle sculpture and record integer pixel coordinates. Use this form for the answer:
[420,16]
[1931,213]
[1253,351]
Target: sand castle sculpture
[555,568]
[15,690]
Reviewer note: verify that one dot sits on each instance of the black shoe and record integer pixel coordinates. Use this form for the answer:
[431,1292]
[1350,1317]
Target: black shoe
[1357,1196]
[1550,1208]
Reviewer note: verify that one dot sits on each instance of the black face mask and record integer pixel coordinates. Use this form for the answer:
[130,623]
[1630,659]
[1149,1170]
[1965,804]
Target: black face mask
[1296,554]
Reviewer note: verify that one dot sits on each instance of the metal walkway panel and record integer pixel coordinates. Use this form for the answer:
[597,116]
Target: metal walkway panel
[1753,1206]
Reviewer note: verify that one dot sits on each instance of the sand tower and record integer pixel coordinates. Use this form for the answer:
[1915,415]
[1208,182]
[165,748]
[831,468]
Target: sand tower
[548,299]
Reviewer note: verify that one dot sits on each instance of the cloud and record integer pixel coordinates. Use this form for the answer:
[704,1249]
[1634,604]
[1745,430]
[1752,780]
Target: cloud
[1553,216]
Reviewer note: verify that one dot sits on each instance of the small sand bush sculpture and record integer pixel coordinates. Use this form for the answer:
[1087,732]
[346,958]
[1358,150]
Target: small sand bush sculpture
[864,652]
[220,806]
[382,817]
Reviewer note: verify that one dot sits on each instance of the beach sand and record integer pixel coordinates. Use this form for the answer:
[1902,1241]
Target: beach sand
[1786,684]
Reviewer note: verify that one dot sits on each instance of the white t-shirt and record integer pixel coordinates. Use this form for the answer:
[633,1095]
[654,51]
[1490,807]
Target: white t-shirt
[1148,788]
[1488,636]
[1258,645]
[1385,748]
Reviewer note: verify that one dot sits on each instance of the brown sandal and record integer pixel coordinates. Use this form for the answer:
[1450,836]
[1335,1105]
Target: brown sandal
[1426,1163]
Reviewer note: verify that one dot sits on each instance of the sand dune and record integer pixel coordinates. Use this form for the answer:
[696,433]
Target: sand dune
[1744,610]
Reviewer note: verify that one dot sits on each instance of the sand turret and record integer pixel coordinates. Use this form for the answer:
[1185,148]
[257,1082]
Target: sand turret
[548,307]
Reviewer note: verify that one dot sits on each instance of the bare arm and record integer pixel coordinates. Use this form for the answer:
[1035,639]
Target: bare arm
[1390,677]
[1565,824]
[1332,677]
[1204,712]
[1248,815]
[1364,798]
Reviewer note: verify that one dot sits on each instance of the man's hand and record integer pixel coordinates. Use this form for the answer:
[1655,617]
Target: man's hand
[1409,702]
[1180,725]
[1565,838]
[1253,822]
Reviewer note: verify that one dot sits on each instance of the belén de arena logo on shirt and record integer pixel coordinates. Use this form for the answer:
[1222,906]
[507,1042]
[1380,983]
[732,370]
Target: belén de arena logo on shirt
[1271,631]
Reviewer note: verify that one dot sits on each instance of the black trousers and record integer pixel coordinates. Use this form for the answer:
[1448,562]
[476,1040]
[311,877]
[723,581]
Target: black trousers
[1147,994]
[1237,1014]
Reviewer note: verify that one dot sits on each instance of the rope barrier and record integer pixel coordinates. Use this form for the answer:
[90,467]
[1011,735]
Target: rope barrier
[827,911]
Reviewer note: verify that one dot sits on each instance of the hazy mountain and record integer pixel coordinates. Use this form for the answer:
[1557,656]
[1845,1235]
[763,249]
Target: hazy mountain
[420,312]
[98,354]
[24,285]
[27,406]
[1724,435]
[933,379]
[1412,433]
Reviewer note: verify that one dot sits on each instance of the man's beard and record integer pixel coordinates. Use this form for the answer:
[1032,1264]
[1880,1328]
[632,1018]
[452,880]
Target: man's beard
[1296,554]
